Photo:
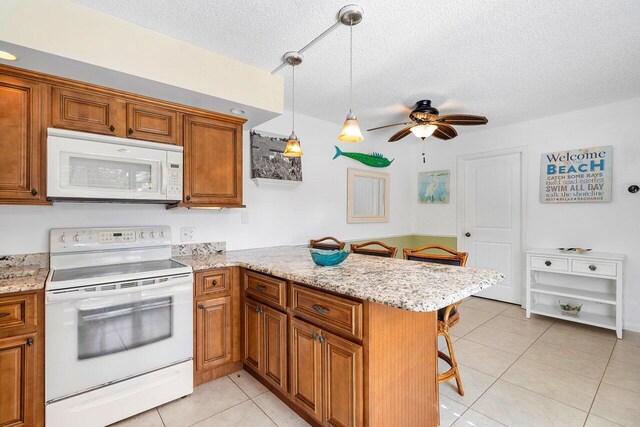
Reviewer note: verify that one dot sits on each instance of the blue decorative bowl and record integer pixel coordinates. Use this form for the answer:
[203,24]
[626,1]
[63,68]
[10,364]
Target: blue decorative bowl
[327,258]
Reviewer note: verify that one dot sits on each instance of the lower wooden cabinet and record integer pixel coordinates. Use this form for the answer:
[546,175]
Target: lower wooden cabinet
[214,333]
[265,342]
[326,375]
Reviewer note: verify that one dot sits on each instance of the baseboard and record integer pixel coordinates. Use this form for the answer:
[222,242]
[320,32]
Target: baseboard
[631,327]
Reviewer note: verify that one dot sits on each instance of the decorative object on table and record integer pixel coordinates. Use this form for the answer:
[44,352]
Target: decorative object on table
[367,196]
[327,258]
[577,250]
[434,187]
[426,122]
[375,160]
[268,161]
[576,176]
[570,309]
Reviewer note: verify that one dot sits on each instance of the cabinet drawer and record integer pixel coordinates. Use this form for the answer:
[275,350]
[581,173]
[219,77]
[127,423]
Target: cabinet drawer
[17,312]
[550,264]
[329,311]
[600,268]
[213,283]
[266,289]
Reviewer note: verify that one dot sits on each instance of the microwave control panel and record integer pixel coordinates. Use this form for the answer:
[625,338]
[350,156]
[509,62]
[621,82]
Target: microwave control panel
[174,176]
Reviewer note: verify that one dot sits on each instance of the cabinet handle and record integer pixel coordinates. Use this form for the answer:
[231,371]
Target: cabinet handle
[201,307]
[261,288]
[593,267]
[29,342]
[314,336]
[130,131]
[321,339]
[467,234]
[34,192]
[112,128]
[188,198]
[259,309]
[547,263]
[320,309]
[4,314]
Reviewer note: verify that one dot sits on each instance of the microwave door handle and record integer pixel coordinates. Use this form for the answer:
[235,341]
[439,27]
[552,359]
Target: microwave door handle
[163,177]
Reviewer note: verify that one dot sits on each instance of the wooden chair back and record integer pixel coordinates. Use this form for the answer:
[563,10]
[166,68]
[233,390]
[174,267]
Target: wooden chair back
[451,258]
[323,243]
[365,249]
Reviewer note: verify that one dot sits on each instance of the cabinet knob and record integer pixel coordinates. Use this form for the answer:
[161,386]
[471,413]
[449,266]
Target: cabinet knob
[467,234]
[201,307]
[320,339]
[314,336]
[259,309]
[34,192]
[112,128]
[215,282]
[593,267]
[188,198]
[547,263]
[130,131]
[29,342]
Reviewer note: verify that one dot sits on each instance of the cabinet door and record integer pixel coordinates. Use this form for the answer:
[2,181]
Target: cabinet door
[306,367]
[342,378]
[212,162]
[275,347]
[253,332]
[17,381]
[20,141]
[87,112]
[214,333]
[153,123]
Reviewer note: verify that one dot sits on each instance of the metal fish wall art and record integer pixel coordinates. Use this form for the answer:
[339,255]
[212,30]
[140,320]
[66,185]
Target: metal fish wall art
[375,160]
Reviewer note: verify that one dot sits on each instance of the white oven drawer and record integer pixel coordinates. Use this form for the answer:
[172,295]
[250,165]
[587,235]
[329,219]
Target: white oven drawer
[600,268]
[549,264]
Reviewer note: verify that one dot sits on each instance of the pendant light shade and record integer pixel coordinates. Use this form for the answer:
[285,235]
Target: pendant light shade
[293,148]
[423,131]
[351,128]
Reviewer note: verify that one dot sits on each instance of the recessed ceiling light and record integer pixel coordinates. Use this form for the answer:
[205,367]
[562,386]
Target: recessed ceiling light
[8,56]
[237,111]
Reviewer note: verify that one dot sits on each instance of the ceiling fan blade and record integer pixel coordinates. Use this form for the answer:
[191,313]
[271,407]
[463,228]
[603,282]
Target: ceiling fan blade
[444,131]
[388,126]
[401,133]
[462,120]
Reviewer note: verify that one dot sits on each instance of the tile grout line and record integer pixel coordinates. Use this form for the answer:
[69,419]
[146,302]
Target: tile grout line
[600,384]
[160,415]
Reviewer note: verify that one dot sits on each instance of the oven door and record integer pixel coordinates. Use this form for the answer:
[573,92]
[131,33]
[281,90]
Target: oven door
[115,334]
[79,169]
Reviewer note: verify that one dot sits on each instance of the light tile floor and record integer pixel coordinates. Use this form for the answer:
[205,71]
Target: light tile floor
[515,371]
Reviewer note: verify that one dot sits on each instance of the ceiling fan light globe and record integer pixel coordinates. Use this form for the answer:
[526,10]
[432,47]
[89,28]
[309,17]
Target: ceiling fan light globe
[293,149]
[423,131]
[351,130]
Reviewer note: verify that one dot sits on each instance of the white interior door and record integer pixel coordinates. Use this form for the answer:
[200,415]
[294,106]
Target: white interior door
[491,219]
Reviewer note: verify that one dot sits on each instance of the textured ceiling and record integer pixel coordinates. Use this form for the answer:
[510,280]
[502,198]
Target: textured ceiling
[509,60]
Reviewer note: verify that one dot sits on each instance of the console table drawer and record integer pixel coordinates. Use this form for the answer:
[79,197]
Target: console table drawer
[600,268]
[550,264]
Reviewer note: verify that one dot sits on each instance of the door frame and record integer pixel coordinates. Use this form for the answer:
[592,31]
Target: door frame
[460,200]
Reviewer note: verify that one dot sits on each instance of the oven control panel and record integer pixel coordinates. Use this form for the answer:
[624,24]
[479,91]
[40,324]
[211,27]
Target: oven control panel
[87,239]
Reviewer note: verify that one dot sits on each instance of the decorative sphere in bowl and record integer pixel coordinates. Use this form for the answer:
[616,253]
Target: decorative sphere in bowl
[325,257]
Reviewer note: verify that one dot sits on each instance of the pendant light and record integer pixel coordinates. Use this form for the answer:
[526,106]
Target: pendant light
[351,128]
[293,148]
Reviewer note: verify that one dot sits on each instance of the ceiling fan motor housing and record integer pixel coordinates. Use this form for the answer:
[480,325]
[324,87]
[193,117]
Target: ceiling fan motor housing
[423,111]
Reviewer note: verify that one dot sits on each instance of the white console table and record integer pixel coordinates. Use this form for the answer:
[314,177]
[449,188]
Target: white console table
[593,279]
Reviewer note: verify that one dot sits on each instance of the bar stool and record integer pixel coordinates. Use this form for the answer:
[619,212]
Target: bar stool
[449,315]
[319,244]
[364,249]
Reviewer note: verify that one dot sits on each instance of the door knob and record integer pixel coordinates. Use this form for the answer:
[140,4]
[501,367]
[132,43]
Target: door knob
[467,234]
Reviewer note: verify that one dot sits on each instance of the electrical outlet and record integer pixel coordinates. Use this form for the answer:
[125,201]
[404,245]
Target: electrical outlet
[187,234]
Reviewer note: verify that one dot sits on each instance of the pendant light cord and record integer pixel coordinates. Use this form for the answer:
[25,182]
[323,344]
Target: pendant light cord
[293,99]
[350,66]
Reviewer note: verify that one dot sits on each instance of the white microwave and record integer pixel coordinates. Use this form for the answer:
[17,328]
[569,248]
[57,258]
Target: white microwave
[86,166]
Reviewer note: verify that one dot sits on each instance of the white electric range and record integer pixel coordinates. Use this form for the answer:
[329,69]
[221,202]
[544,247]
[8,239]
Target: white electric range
[119,325]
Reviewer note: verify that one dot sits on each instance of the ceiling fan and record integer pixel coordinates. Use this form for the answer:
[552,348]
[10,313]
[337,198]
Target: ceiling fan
[426,121]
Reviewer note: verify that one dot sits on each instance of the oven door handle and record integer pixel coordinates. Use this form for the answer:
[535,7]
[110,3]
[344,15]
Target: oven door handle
[166,288]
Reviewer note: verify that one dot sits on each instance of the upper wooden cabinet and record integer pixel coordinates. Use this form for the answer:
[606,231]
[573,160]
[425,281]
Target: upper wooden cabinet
[212,162]
[21,145]
[153,123]
[87,111]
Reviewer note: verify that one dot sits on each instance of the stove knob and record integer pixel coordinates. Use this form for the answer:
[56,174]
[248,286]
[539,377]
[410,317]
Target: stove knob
[76,238]
[162,234]
[63,238]
[151,234]
[143,235]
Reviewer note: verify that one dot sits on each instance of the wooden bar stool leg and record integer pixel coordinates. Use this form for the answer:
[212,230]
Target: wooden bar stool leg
[451,361]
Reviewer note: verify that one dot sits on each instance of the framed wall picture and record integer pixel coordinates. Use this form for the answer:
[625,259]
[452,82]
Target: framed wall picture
[367,196]
[576,176]
[268,162]
[434,187]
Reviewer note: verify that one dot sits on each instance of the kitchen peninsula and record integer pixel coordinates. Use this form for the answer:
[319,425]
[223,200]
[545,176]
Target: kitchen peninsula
[350,345]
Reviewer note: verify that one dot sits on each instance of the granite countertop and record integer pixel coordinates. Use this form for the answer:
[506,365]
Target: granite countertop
[22,278]
[410,285]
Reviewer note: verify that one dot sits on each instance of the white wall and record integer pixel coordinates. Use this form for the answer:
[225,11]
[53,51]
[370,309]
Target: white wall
[277,216]
[609,227]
